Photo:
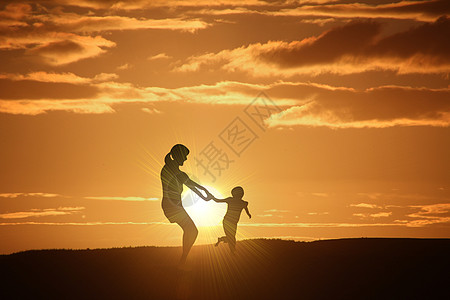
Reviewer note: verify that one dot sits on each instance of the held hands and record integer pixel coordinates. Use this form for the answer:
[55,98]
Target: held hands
[209,196]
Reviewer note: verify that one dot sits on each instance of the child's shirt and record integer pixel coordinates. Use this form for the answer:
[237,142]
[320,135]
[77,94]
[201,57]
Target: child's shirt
[234,210]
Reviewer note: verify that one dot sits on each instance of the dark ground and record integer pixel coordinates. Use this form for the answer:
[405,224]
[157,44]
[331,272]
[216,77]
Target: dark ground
[365,268]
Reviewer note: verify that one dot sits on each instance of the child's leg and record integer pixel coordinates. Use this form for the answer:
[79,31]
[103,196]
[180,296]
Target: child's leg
[230,231]
[221,239]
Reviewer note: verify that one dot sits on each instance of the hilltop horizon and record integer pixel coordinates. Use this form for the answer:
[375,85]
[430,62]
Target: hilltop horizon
[362,268]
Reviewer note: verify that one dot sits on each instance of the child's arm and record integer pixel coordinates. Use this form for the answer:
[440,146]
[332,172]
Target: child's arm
[221,200]
[248,213]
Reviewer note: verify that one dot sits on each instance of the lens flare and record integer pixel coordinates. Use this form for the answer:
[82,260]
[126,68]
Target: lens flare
[204,213]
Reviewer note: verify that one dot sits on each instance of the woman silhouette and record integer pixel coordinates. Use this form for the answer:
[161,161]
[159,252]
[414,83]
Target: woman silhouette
[172,180]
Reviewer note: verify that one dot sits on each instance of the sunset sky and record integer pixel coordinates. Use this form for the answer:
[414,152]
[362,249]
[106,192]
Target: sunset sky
[333,116]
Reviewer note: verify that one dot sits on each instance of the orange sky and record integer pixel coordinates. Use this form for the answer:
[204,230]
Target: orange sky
[353,139]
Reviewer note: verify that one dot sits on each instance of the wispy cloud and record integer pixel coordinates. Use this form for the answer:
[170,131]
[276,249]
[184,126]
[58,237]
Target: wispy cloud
[158,56]
[15,195]
[265,215]
[381,214]
[151,110]
[53,77]
[319,225]
[109,94]
[430,214]
[85,223]
[318,213]
[118,5]
[277,210]
[372,196]
[61,211]
[365,205]
[125,66]
[122,198]
[320,194]
[426,11]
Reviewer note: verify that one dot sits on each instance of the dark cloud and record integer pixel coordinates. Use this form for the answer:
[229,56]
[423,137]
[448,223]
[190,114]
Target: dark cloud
[430,40]
[351,39]
[375,107]
[360,41]
[57,48]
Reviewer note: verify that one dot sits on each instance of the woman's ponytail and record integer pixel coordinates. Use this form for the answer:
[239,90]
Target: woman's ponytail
[167,159]
[178,151]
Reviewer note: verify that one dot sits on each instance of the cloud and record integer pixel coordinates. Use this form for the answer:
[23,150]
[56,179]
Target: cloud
[320,194]
[372,196]
[123,198]
[69,51]
[108,94]
[379,107]
[426,11]
[151,110]
[15,11]
[59,38]
[36,107]
[125,66]
[328,106]
[66,77]
[277,213]
[432,209]
[159,56]
[355,47]
[42,212]
[319,225]
[429,214]
[318,213]
[85,223]
[15,195]
[361,215]
[365,205]
[265,215]
[143,4]
[381,215]
[306,104]
[70,22]
[424,215]
[418,10]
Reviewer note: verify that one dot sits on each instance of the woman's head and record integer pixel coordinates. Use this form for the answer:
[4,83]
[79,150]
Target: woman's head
[177,154]
[237,192]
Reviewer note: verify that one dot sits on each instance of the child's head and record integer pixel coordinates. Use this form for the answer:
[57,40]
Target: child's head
[237,192]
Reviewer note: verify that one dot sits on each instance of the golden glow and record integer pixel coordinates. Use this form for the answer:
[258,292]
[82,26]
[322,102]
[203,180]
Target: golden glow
[204,213]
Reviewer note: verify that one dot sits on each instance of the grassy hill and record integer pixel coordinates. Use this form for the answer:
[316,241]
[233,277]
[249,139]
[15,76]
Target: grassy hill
[262,269]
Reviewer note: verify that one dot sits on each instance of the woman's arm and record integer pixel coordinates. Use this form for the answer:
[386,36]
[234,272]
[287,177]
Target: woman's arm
[191,183]
[195,187]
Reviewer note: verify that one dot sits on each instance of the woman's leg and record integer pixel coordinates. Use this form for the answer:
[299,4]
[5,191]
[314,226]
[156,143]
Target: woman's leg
[190,233]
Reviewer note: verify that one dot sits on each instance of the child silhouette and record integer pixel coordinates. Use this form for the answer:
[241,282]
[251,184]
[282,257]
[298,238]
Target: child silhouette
[231,219]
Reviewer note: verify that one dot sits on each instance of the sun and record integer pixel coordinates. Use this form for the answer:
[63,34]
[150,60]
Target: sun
[204,213]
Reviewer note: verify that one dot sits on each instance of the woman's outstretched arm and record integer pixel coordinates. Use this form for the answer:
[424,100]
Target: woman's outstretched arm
[195,187]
